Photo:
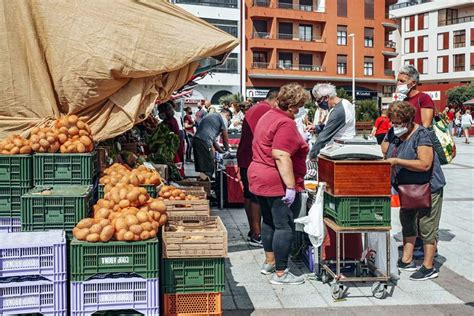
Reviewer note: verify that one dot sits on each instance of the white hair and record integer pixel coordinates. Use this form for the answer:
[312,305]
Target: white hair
[324,90]
[411,72]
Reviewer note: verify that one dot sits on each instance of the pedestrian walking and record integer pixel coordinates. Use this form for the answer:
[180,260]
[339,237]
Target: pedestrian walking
[381,127]
[189,129]
[466,123]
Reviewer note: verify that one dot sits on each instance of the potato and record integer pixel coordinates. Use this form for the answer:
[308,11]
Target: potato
[146,226]
[156,216]
[142,199]
[153,233]
[120,223]
[107,233]
[81,234]
[95,229]
[15,151]
[44,143]
[80,124]
[163,219]
[104,222]
[128,236]
[145,235]
[136,229]
[93,237]
[136,237]
[62,138]
[85,223]
[124,203]
[131,220]
[80,148]
[120,234]
[142,216]
[132,196]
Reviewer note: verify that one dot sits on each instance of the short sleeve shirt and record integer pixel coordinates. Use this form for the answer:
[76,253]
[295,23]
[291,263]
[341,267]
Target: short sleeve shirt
[408,150]
[418,102]
[210,127]
[188,119]
[382,124]
[275,130]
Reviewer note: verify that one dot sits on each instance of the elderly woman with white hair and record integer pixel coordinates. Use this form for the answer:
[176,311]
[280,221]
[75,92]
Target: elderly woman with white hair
[407,81]
[340,123]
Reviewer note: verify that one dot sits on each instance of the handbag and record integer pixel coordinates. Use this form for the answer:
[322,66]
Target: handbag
[413,196]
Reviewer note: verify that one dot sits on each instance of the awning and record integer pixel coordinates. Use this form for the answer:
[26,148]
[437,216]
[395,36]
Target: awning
[469,102]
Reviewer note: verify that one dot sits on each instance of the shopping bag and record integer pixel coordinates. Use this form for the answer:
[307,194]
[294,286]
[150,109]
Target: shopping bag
[377,254]
[302,212]
[443,142]
[313,223]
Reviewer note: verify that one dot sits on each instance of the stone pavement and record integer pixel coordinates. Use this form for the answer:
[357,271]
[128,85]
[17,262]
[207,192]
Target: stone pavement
[249,292]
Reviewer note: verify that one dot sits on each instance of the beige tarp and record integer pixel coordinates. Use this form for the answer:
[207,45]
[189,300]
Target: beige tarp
[104,60]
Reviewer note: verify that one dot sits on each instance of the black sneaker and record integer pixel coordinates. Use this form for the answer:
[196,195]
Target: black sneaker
[424,274]
[256,241]
[406,266]
[249,236]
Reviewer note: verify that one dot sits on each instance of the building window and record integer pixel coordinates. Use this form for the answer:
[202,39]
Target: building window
[260,28]
[423,21]
[212,3]
[260,59]
[285,60]
[306,32]
[443,41]
[285,4]
[472,37]
[388,91]
[410,23]
[306,5]
[306,62]
[285,30]
[341,64]
[368,66]
[459,38]
[459,62]
[472,61]
[230,27]
[410,62]
[447,17]
[342,8]
[368,37]
[423,43]
[231,65]
[409,45]
[406,24]
[443,64]
[422,65]
[342,35]
[369,9]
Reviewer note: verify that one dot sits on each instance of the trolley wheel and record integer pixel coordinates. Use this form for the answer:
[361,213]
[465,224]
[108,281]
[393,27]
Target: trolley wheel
[337,291]
[379,290]
[325,277]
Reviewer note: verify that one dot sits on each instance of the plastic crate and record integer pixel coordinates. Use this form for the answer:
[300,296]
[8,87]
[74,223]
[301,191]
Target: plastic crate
[16,170]
[10,201]
[149,187]
[309,258]
[192,304]
[34,253]
[193,275]
[10,224]
[79,169]
[358,211]
[88,259]
[141,295]
[40,296]
[62,209]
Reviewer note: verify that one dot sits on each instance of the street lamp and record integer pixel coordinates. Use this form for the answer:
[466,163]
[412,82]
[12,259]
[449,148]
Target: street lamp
[353,68]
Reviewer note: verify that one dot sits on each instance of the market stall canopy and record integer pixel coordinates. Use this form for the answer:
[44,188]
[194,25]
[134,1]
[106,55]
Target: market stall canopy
[469,102]
[106,61]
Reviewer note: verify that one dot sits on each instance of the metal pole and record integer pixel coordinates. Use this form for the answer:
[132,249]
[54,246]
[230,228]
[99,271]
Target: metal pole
[353,69]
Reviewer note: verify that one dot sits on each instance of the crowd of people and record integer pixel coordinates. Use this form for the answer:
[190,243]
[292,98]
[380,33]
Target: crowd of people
[279,146]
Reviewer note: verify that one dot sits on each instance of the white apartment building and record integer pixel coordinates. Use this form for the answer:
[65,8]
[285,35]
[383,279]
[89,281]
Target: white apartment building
[437,37]
[226,78]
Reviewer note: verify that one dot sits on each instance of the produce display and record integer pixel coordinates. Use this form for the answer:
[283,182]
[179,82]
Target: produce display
[14,145]
[122,174]
[169,192]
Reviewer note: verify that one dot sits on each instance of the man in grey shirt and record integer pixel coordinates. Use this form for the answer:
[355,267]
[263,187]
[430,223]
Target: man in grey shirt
[341,118]
[205,140]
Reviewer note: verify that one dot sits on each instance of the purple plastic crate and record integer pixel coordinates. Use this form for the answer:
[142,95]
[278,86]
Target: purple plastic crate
[34,253]
[308,258]
[141,295]
[43,296]
[10,224]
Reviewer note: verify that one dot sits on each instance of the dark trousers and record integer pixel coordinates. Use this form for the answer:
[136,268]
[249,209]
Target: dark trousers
[278,227]
[189,146]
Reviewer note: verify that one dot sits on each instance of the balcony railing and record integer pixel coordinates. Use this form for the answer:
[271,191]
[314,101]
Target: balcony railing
[288,66]
[460,44]
[286,36]
[260,65]
[264,35]
[231,66]
[407,4]
[460,68]
[464,19]
[212,3]
[289,6]
[390,44]
[389,72]
[261,3]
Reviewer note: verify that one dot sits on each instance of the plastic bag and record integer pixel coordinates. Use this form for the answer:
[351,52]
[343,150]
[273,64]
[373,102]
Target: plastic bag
[313,223]
[377,253]
[303,212]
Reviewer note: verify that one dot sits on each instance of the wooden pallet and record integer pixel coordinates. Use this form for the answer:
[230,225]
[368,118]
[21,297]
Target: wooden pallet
[188,208]
[202,237]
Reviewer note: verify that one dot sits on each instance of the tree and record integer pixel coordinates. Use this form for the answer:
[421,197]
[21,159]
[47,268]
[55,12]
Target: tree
[366,110]
[461,94]
[237,97]
[342,94]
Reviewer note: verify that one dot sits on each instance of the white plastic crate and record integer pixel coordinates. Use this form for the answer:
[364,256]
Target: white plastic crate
[42,296]
[10,224]
[34,253]
[141,295]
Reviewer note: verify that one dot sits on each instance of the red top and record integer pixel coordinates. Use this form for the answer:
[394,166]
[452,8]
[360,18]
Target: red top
[420,100]
[244,151]
[189,120]
[382,124]
[450,116]
[275,130]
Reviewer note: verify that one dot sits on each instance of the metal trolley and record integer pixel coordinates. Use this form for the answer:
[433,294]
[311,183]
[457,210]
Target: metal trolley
[364,268]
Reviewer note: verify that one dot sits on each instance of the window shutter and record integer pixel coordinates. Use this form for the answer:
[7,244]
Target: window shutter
[412,45]
[412,23]
[420,43]
[445,63]
[421,21]
[446,40]
[419,65]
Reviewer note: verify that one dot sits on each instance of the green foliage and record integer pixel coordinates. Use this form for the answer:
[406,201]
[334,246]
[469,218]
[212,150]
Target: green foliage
[366,110]
[237,97]
[311,107]
[342,94]
[461,94]
[164,144]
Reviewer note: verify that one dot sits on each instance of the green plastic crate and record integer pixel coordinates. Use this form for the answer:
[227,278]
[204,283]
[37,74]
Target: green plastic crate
[193,275]
[88,259]
[62,209]
[50,169]
[16,171]
[10,201]
[149,187]
[358,211]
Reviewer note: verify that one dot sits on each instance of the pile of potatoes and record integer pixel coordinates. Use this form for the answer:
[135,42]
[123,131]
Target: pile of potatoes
[14,145]
[129,211]
[68,135]
[169,192]
[120,174]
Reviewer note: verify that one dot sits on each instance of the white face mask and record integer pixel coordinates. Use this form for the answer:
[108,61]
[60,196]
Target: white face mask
[400,130]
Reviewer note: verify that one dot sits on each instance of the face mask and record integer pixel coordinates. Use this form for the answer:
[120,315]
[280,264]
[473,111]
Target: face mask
[399,130]
[403,89]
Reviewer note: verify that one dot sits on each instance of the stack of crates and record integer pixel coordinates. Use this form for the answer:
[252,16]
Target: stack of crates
[193,274]
[33,276]
[16,179]
[115,275]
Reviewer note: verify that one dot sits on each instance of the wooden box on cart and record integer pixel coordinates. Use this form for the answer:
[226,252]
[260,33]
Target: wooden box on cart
[188,208]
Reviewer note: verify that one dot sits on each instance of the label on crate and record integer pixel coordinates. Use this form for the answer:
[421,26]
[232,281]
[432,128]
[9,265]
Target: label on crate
[107,261]
[21,302]
[21,264]
[116,298]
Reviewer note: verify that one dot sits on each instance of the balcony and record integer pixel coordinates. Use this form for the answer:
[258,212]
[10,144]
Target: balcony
[288,37]
[464,19]
[389,72]
[211,3]
[287,66]
[288,6]
[231,66]
[407,4]
[390,44]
